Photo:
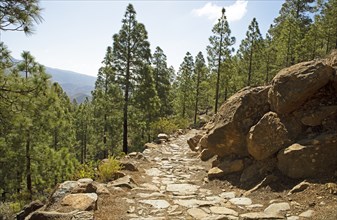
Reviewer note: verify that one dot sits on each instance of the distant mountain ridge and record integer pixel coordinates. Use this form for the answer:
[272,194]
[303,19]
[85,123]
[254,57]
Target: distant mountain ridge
[77,86]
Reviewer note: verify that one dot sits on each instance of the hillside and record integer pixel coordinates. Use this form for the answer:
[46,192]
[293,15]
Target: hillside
[78,86]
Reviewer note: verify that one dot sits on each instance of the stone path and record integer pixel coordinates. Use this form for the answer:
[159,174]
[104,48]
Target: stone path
[175,190]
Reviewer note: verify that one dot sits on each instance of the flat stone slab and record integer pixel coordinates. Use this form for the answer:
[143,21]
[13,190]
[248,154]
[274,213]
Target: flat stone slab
[223,211]
[197,213]
[194,203]
[307,214]
[276,208]
[151,195]
[182,189]
[259,215]
[147,187]
[154,172]
[227,195]
[241,201]
[158,204]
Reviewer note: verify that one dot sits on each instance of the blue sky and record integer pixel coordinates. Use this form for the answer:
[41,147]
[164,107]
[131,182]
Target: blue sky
[74,34]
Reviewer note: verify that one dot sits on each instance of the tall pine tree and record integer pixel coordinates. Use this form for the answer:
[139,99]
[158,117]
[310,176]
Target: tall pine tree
[219,50]
[131,50]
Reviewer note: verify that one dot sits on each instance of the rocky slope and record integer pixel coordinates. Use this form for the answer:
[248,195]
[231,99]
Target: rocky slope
[289,126]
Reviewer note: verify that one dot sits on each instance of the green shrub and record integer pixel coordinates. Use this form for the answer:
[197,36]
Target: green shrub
[108,168]
[85,171]
[9,209]
[164,125]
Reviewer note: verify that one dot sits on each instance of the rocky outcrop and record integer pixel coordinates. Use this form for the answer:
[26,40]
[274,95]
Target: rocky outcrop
[290,125]
[70,200]
[235,118]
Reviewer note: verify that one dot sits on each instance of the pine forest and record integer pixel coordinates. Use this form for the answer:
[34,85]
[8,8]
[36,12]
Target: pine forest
[46,138]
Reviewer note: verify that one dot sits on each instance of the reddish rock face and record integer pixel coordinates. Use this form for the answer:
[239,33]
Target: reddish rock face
[293,121]
[293,86]
[310,157]
[235,118]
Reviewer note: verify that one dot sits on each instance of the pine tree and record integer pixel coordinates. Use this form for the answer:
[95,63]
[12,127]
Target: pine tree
[107,102]
[250,49]
[130,51]
[329,23]
[148,109]
[185,86]
[269,58]
[19,15]
[219,50]
[201,85]
[289,28]
[162,77]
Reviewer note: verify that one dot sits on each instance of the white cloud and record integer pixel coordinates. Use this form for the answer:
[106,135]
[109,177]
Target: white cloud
[212,11]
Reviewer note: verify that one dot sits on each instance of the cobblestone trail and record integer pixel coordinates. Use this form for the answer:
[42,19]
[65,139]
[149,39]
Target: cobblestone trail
[176,189]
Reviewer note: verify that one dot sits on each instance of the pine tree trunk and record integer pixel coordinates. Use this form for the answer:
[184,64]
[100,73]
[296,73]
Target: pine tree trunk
[250,65]
[28,168]
[105,151]
[218,78]
[288,48]
[267,70]
[196,99]
[85,146]
[125,108]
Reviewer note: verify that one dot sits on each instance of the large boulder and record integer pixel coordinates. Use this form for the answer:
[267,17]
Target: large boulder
[294,85]
[267,137]
[233,121]
[310,157]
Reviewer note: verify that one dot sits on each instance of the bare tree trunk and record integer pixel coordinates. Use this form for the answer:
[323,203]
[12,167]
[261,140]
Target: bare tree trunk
[28,168]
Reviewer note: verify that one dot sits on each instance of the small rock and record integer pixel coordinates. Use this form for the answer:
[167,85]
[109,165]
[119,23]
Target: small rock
[332,187]
[125,181]
[307,214]
[299,187]
[163,137]
[128,166]
[150,146]
[193,142]
[241,201]
[101,189]
[215,173]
